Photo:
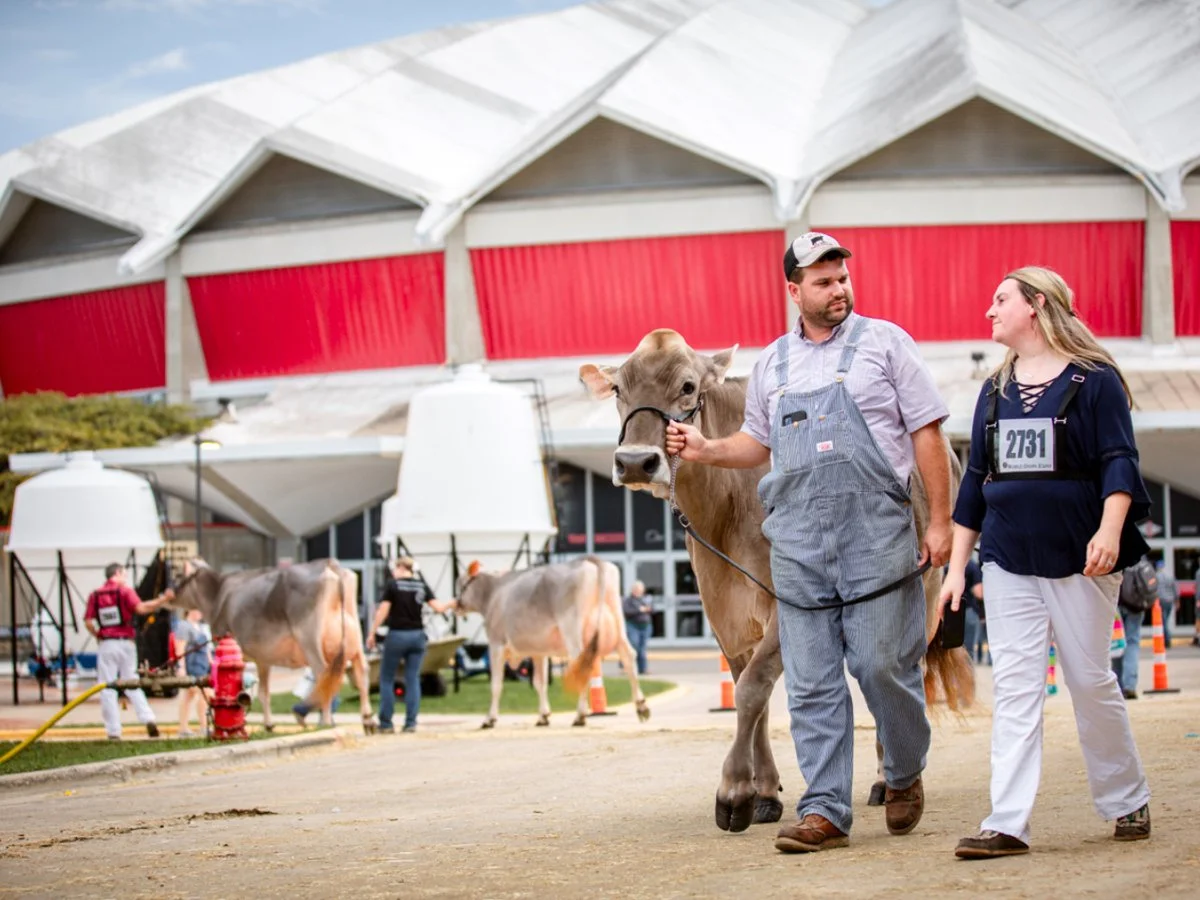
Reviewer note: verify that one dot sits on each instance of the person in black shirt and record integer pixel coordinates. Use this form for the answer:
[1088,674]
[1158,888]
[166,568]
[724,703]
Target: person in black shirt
[400,610]
[1054,487]
[638,622]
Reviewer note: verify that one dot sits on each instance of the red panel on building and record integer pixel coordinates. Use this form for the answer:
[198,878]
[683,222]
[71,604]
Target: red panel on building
[332,317]
[937,281]
[604,296]
[95,343]
[1185,257]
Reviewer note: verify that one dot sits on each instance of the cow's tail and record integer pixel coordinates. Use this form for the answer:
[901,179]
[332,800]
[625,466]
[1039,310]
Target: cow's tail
[947,671]
[579,672]
[330,682]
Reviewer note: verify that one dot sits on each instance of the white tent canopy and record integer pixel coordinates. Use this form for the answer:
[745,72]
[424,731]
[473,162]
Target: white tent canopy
[93,516]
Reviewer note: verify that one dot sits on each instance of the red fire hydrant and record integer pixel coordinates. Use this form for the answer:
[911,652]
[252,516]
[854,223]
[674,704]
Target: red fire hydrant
[230,702]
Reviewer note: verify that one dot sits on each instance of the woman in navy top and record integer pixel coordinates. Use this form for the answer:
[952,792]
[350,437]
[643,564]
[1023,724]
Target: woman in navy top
[1054,489]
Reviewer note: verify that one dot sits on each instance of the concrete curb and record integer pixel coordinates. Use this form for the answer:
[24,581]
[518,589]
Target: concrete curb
[128,768]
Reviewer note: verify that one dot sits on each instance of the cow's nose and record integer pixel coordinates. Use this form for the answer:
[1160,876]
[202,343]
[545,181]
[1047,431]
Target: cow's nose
[636,466]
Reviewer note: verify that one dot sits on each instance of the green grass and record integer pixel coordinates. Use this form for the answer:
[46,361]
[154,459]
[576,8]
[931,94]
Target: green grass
[54,754]
[475,696]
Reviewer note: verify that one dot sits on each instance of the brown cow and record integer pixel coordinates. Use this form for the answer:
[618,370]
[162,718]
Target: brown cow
[301,615]
[723,507]
[570,609]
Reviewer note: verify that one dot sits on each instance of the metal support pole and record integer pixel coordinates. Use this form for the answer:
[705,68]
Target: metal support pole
[12,602]
[199,533]
[453,588]
[62,626]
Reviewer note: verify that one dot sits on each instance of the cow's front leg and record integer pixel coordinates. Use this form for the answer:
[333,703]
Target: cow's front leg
[738,793]
[541,668]
[767,806]
[264,695]
[496,663]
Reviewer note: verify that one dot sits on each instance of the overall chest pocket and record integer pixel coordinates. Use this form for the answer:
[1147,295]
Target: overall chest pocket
[811,435]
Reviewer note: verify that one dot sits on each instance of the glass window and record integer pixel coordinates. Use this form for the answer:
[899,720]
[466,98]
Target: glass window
[317,546]
[351,537]
[571,499]
[685,579]
[1187,561]
[1185,514]
[376,527]
[678,535]
[608,514]
[651,575]
[648,522]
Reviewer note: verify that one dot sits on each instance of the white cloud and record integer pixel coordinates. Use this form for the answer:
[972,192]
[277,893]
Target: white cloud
[172,61]
[54,55]
[188,6]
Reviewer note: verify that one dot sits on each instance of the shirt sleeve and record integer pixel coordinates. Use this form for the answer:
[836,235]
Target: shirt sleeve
[91,612]
[757,422]
[971,505]
[916,391]
[1114,442]
[130,600]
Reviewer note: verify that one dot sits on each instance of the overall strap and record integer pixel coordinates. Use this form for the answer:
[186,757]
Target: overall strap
[847,357]
[781,363]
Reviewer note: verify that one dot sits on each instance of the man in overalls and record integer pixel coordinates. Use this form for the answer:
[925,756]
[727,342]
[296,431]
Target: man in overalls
[109,618]
[843,406]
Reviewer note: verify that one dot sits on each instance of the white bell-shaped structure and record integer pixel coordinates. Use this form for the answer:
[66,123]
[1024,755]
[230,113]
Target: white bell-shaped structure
[93,516]
[472,471]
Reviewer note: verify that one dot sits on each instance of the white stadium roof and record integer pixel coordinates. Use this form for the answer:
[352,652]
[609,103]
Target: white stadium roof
[786,91]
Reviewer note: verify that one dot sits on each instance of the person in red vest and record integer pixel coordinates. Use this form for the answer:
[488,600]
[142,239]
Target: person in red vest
[109,618]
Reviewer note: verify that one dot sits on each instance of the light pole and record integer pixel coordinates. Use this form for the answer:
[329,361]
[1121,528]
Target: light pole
[200,442]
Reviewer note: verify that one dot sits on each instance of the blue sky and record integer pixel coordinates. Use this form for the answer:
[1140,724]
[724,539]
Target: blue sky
[63,62]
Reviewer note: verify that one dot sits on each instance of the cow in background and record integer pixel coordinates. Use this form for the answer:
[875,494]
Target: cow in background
[570,609]
[301,615]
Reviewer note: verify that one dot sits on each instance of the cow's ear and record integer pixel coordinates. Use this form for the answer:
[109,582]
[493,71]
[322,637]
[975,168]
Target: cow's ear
[598,380]
[721,362]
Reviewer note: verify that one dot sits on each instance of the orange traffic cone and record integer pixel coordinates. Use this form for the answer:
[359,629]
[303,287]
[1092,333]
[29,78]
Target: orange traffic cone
[1160,653]
[597,695]
[727,703]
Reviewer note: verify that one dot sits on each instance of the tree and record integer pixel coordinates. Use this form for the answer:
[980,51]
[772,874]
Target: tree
[53,423]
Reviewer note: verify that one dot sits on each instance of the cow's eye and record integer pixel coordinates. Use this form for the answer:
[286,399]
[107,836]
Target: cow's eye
[688,388]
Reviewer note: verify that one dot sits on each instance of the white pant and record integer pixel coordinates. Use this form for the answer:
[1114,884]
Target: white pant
[118,659]
[1022,613]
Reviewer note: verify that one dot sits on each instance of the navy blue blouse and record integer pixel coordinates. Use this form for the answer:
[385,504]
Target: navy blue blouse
[1043,527]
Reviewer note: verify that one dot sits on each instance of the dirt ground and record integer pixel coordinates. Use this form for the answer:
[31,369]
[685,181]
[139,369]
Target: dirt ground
[613,810]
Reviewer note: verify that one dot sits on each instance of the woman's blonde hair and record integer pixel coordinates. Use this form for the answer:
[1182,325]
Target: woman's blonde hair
[1062,329]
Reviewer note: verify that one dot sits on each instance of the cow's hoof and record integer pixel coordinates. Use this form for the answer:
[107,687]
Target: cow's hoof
[580,721]
[735,817]
[643,711]
[270,728]
[487,723]
[369,728]
[766,810]
[877,790]
[543,721]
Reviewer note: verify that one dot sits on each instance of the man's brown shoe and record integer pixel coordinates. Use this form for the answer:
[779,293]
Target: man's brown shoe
[810,834]
[1135,826]
[989,844]
[903,808]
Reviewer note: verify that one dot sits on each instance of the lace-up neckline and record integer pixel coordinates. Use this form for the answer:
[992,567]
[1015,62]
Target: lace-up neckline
[1032,393]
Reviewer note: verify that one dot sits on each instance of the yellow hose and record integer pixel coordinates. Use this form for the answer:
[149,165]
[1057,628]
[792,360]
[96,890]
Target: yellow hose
[50,722]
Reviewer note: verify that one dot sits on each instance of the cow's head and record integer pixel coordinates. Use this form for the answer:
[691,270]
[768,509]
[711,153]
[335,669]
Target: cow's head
[664,376]
[196,587]
[468,600]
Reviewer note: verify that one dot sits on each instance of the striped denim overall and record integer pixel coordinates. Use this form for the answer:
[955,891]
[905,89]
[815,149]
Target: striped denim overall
[840,525]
